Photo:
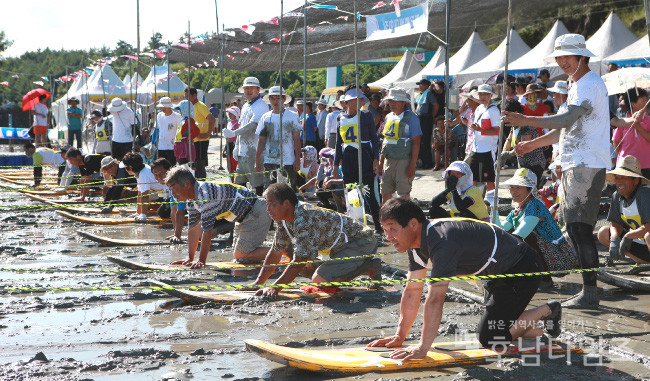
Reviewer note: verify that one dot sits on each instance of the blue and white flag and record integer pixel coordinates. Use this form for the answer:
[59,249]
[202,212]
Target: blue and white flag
[390,25]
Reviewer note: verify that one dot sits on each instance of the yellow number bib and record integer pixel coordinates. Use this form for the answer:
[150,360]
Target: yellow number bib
[391,131]
[349,132]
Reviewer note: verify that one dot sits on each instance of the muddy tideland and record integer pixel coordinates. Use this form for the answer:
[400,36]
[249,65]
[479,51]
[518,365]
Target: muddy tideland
[141,334]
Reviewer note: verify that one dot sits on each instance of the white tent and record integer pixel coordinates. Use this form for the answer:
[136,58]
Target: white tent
[406,67]
[473,51]
[636,54]
[103,84]
[157,84]
[610,38]
[529,63]
[127,79]
[437,59]
[493,63]
[136,81]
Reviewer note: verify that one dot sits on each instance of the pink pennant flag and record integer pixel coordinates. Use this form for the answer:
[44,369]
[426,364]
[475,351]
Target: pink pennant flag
[40,83]
[258,49]
[273,21]
[277,39]
[130,57]
[5,83]
[201,65]
[205,64]
[198,42]
[229,56]
[311,29]
[159,53]
[248,28]
[379,5]
[398,12]
[325,23]
[289,33]
[181,45]
[345,18]
[246,50]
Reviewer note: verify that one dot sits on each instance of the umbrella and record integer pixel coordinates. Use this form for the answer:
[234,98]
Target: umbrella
[498,78]
[471,83]
[619,81]
[31,98]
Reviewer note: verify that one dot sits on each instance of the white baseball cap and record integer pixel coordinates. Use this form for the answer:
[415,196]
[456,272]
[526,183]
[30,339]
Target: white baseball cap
[250,81]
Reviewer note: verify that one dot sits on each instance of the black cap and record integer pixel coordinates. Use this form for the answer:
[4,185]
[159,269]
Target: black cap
[95,113]
[544,71]
[423,81]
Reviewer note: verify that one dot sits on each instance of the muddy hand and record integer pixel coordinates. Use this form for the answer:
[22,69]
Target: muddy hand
[390,342]
[271,292]
[410,353]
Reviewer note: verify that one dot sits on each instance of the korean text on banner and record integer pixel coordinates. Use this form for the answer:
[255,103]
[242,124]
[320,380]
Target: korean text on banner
[389,25]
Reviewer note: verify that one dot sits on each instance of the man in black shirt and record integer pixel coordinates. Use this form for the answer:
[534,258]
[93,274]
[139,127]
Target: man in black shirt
[454,247]
[88,165]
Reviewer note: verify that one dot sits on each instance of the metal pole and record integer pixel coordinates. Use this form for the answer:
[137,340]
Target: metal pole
[101,76]
[282,91]
[356,83]
[447,87]
[495,204]
[189,104]
[304,73]
[169,94]
[223,97]
[221,110]
[646,5]
[137,72]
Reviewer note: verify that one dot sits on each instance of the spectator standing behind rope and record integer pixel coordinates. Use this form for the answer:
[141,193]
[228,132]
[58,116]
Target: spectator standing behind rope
[426,109]
[103,129]
[167,122]
[40,121]
[635,140]
[205,121]
[123,134]
[74,121]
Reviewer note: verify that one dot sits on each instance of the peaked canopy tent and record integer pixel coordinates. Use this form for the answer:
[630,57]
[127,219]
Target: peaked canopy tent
[494,62]
[406,67]
[637,54]
[473,51]
[134,83]
[610,38]
[529,63]
[158,85]
[437,59]
[127,79]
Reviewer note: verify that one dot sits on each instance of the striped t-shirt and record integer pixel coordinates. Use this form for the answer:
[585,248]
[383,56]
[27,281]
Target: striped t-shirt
[218,201]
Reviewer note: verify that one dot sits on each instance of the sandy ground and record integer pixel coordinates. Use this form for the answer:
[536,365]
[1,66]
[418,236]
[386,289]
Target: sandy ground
[146,335]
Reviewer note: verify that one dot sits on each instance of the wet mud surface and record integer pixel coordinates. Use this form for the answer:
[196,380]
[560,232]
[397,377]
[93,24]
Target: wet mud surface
[142,334]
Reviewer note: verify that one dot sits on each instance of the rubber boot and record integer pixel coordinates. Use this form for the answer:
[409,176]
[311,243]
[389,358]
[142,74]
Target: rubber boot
[587,299]
[552,322]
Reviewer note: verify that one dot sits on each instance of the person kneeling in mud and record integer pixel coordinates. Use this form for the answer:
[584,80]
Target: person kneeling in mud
[311,230]
[462,246]
[465,199]
[531,221]
[207,202]
[629,213]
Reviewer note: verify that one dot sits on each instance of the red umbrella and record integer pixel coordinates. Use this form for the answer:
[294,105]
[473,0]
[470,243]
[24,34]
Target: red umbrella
[31,98]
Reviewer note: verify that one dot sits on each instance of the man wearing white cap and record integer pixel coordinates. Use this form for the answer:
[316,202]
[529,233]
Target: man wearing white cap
[246,144]
[355,131]
[583,133]
[279,147]
[331,124]
[399,152]
[167,121]
[123,120]
[486,137]
[321,118]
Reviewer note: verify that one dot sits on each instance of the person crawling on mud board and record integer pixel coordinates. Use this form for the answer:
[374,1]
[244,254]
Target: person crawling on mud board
[309,231]
[457,246]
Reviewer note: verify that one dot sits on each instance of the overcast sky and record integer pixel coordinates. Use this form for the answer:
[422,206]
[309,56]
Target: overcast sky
[83,24]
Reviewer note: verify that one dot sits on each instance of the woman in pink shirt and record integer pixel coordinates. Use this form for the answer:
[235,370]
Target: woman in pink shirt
[635,140]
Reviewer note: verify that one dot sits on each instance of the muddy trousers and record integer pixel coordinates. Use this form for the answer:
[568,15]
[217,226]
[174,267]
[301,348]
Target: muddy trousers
[581,235]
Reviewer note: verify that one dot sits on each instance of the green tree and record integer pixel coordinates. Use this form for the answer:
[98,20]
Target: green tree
[4,42]
[156,41]
[123,48]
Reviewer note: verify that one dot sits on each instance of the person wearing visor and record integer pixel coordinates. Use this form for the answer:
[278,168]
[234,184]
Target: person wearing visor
[583,132]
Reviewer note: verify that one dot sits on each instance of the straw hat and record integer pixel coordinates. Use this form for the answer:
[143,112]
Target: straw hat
[276,90]
[472,95]
[532,88]
[165,102]
[397,94]
[629,167]
[250,81]
[117,105]
[559,87]
[569,45]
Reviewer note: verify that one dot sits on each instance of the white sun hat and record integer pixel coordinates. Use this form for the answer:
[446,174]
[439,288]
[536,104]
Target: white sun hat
[569,45]
[276,90]
[559,87]
[250,81]
[165,102]
[117,105]
[397,94]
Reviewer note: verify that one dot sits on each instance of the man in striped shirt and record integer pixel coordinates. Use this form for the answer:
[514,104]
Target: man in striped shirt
[207,202]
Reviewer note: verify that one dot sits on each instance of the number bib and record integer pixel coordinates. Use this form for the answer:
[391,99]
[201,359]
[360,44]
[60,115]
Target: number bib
[349,132]
[391,131]
[631,217]
[100,132]
[229,215]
